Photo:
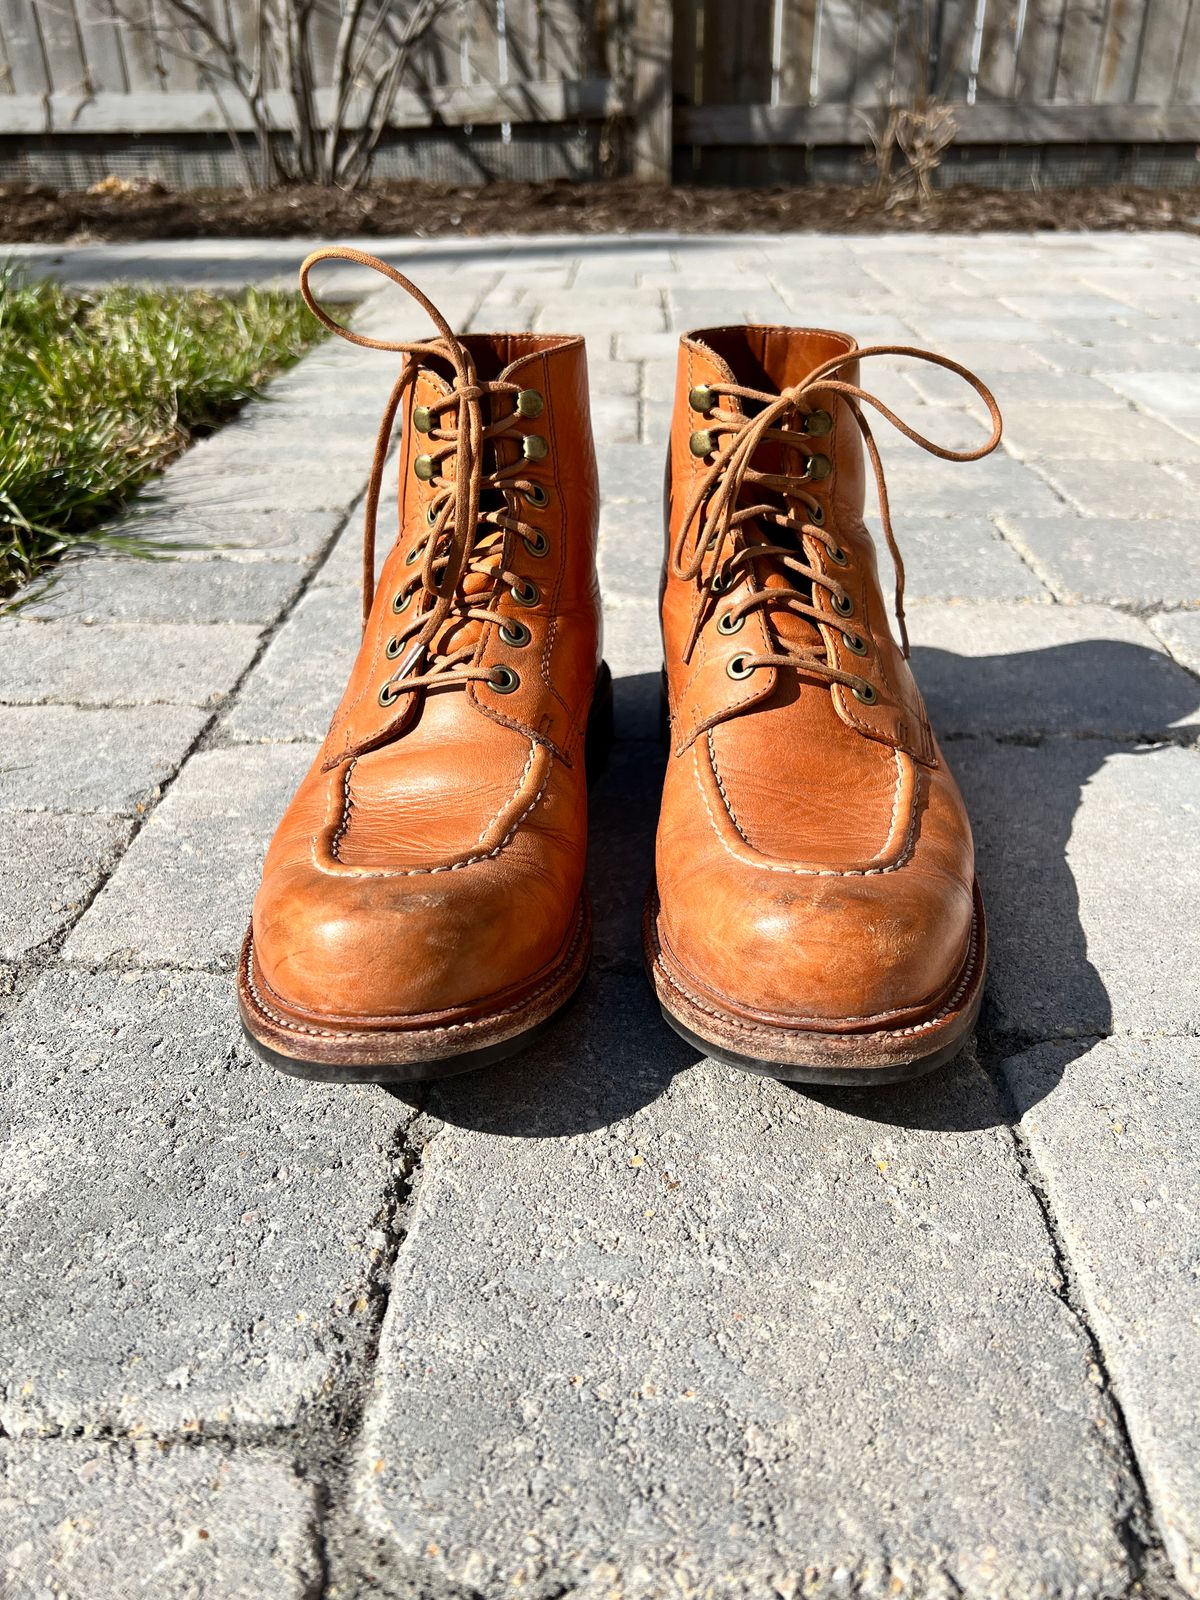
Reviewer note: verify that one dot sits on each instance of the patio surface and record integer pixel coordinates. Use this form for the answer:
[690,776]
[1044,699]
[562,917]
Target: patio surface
[613,1322]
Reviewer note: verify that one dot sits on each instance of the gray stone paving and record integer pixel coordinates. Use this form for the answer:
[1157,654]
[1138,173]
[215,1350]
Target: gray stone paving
[613,1322]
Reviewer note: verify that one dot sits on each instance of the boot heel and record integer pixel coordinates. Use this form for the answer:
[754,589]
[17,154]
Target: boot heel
[599,737]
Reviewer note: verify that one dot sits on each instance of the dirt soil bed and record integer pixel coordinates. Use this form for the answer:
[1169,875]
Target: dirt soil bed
[37,214]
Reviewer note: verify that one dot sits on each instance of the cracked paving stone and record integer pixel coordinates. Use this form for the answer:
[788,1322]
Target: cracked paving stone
[1087,851]
[84,1520]
[188,1236]
[49,865]
[61,758]
[661,1327]
[183,893]
[1111,1127]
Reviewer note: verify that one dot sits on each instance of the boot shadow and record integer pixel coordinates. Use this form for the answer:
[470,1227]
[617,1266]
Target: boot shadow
[1022,779]
[1010,727]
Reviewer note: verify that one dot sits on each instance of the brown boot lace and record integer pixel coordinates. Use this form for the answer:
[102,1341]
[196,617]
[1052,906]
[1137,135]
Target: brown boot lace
[723,549]
[465,539]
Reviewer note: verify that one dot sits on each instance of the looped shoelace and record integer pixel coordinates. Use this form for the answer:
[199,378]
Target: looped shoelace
[720,553]
[457,545]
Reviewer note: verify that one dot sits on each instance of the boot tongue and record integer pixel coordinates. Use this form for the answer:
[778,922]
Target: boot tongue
[459,633]
[773,359]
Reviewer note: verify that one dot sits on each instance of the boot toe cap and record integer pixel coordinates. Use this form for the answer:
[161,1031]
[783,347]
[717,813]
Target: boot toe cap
[402,947]
[823,951]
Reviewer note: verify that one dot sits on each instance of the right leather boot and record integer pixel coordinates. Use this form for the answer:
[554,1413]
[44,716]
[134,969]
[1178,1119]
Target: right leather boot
[422,909]
[815,914]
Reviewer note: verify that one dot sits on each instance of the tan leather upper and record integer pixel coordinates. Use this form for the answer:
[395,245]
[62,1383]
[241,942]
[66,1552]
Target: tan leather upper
[431,863]
[814,860]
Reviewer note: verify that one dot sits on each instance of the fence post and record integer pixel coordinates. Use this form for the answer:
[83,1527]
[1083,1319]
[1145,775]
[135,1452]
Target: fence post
[653,37]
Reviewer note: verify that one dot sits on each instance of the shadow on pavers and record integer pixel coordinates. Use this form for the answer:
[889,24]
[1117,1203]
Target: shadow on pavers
[1023,787]
[611,1054]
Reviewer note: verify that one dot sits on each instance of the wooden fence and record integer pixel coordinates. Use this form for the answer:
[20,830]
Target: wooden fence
[660,85]
[816,72]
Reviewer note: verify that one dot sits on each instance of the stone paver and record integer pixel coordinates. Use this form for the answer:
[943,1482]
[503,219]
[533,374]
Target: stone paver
[235,533]
[1031,670]
[1111,1131]
[294,690]
[124,664]
[1089,857]
[61,758]
[49,866]
[611,1321]
[1180,632]
[761,1335]
[1111,560]
[183,895]
[193,1524]
[169,591]
[188,1238]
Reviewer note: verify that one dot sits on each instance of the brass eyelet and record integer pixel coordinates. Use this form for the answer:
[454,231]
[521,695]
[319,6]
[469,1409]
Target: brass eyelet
[402,601]
[702,399]
[855,644]
[843,605]
[865,692]
[701,442]
[838,556]
[422,419]
[818,423]
[728,623]
[431,515]
[515,634]
[537,546]
[737,668]
[718,584]
[503,680]
[423,468]
[534,447]
[817,516]
[393,648]
[530,403]
[537,496]
[389,694]
[818,468]
[413,555]
[525,593]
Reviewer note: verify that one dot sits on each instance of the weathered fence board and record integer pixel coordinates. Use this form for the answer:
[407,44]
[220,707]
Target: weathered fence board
[1014,71]
[681,75]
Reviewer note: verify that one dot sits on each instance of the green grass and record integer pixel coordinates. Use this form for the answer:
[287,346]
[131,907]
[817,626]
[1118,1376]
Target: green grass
[99,391]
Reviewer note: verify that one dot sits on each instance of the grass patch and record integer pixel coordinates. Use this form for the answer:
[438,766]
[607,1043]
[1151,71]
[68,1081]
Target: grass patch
[98,391]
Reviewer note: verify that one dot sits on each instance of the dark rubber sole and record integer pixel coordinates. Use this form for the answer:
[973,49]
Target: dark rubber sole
[401,1072]
[430,1068]
[839,1077]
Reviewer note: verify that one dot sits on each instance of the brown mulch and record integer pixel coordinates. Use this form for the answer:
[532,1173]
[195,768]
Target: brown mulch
[35,213]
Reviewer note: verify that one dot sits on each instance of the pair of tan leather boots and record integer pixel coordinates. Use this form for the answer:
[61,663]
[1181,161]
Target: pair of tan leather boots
[814,913]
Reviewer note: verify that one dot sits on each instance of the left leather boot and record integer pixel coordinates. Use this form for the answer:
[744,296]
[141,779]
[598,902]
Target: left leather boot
[815,915]
[422,908]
